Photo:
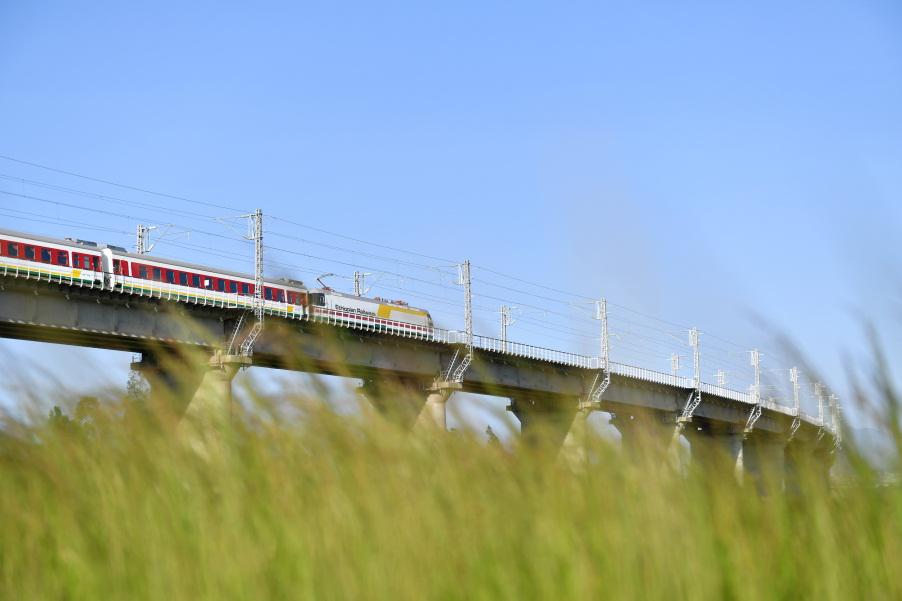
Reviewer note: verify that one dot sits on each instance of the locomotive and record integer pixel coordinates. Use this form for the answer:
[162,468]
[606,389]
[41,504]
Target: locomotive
[115,269]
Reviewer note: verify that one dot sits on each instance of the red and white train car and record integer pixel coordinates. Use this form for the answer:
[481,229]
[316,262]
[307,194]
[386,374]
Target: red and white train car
[30,255]
[144,274]
[81,262]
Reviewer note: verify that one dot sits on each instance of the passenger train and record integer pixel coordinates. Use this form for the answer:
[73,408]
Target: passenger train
[115,269]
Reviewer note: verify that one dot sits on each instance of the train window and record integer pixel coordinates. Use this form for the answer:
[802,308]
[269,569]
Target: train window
[183,278]
[116,266]
[291,299]
[29,252]
[45,255]
[170,276]
[318,299]
[267,293]
[244,288]
[233,287]
[157,274]
[62,257]
[142,271]
[195,280]
[12,249]
[220,285]
[281,295]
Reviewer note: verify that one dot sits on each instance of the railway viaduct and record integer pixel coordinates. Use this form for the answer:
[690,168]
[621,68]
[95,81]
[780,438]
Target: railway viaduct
[402,377]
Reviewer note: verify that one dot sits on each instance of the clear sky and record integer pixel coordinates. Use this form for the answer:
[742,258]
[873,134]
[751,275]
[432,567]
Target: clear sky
[699,162]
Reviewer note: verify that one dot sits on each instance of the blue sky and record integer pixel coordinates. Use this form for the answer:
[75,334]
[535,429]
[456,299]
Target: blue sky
[703,163]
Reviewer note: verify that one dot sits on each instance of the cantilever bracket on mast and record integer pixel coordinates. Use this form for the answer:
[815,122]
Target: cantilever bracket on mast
[458,365]
[793,428]
[695,397]
[603,377]
[754,416]
[692,403]
[601,382]
[255,234]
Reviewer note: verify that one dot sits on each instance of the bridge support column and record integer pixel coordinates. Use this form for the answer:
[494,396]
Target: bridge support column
[173,378]
[210,410]
[433,417]
[764,460]
[645,433]
[545,421]
[808,464]
[573,449]
[400,400]
[716,447]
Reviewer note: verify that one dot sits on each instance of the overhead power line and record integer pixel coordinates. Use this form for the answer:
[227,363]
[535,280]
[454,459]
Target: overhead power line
[119,185]
[556,298]
[361,241]
[39,218]
[107,198]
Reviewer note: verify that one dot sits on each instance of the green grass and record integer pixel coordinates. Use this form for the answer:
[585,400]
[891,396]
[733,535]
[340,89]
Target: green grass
[333,507]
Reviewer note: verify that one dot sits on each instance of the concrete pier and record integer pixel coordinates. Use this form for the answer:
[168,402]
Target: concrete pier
[544,420]
[210,408]
[716,447]
[808,464]
[399,400]
[645,434]
[764,461]
[433,417]
[574,452]
[173,379]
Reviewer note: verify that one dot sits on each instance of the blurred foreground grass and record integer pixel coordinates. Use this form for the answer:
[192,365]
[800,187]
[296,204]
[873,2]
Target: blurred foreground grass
[107,506]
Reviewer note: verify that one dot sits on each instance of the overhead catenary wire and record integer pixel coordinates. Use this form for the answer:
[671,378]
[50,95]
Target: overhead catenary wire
[644,348]
[552,316]
[132,218]
[361,241]
[42,218]
[120,185]
[145,190]
[334,247]
[357,252]
[111,199]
